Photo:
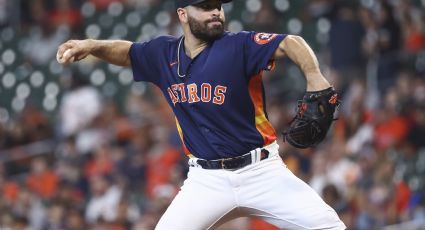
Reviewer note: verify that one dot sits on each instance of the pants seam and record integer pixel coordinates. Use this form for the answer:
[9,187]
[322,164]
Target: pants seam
[218,219]
[275,216]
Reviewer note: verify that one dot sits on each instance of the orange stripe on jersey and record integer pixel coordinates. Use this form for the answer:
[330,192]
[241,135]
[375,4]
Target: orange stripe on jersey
[261,123]
[179,129]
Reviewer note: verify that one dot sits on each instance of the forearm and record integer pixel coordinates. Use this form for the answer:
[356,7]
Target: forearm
[114,52]
[301,54]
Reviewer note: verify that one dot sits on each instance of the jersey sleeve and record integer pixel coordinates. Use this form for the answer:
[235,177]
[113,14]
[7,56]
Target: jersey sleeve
[143,56]
[258,50]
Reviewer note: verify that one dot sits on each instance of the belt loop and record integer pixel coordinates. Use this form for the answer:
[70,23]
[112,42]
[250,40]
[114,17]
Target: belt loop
[253,156]
[258,155]
[193,162]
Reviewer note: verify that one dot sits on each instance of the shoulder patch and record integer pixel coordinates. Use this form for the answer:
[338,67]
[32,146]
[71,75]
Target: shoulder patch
[263,38]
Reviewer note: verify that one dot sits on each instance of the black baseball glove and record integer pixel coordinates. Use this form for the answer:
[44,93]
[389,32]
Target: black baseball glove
[314,117]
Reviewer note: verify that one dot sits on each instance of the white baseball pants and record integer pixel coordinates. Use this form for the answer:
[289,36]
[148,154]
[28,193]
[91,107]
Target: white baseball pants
[266,189]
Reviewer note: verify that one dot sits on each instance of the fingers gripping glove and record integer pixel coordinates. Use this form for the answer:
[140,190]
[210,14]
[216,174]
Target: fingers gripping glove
[314,117]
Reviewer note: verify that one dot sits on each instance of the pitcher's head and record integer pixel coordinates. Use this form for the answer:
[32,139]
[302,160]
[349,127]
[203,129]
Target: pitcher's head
[204,18]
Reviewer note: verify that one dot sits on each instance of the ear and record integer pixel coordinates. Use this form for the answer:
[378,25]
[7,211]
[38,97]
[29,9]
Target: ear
[182,13]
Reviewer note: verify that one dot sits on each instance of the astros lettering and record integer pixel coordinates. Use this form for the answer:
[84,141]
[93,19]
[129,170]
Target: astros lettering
[193,93]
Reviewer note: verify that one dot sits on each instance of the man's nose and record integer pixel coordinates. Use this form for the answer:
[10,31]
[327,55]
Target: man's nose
[216,11]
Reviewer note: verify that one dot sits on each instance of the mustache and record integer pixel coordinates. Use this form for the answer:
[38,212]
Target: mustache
[215,20]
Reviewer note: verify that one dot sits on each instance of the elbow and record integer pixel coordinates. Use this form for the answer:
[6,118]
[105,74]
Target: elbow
[292,43]
[127,62]
[295,38]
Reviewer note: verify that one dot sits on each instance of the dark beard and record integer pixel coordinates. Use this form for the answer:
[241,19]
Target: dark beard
[202,32]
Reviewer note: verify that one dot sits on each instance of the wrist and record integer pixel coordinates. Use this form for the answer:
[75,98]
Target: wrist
[316,82]
[92,46]
[317,87]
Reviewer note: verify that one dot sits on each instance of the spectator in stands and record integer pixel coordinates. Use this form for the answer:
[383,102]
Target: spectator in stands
[55,216]
[42,181]
[101,162]
[345,39]
[28,207]
[105,197]
[74,220]
[416,136]
[43,36]
[65,13]
[79,106]
[388,45]
[412,26]
[390,127]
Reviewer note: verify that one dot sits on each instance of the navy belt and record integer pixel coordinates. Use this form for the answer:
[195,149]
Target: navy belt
[231,163]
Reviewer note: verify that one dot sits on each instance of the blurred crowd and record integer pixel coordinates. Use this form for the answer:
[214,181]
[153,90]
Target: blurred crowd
[92,156]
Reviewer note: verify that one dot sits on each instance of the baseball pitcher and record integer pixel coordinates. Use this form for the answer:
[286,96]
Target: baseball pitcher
[212,80]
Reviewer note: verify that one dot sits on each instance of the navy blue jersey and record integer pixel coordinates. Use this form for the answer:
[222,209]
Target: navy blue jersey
[219,102]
